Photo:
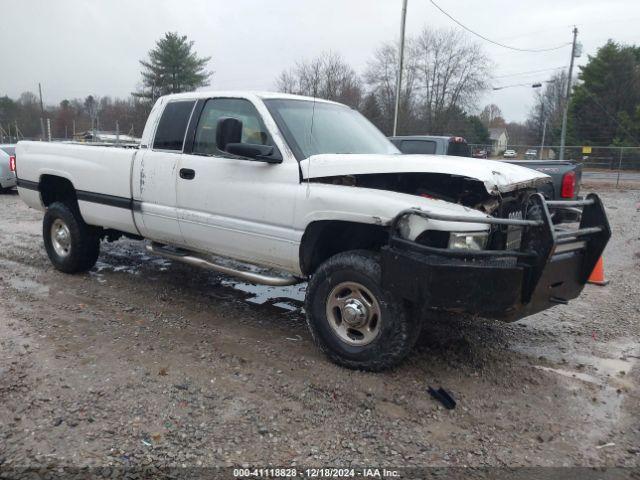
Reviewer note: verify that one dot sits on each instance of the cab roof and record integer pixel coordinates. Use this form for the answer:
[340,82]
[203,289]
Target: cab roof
[249,94]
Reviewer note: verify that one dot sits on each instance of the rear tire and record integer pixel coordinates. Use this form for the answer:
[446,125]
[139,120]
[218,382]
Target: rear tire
[353,320]
[71,244]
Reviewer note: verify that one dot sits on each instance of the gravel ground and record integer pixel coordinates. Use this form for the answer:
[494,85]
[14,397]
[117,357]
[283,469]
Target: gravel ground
[147,362]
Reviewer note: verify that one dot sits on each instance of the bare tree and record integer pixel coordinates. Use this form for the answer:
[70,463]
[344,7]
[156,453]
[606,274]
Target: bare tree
[444,75]
[452,72]
[381,77]
[92,108]
[28,114]
[548,107]
[491,116]
[521,134]
[327,76]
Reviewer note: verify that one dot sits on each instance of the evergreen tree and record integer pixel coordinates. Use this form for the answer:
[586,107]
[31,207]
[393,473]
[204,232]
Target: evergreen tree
[173,67]
[371,110]
[476,132]
[603,105]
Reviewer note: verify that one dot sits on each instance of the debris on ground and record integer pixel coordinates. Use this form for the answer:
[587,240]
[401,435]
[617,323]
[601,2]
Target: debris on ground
[443,397]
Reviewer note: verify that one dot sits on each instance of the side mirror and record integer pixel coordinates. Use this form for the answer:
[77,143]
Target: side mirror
[228,130]
[259,153]
[229,137]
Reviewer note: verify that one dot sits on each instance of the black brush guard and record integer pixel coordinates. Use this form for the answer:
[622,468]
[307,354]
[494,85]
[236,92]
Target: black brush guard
[551,266]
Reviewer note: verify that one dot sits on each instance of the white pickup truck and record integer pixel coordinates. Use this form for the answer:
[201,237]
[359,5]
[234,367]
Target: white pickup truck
[279,189]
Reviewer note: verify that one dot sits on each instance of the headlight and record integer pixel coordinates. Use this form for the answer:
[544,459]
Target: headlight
[468,240]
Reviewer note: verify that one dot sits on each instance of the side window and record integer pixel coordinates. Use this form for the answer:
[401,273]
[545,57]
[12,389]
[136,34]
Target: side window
[253,129]
[459,149]
[172,126]
[418,147]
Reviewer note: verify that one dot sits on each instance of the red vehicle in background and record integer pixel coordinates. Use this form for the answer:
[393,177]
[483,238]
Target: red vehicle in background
[480,153]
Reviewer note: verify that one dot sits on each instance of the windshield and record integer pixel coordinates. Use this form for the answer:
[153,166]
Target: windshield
[336,128]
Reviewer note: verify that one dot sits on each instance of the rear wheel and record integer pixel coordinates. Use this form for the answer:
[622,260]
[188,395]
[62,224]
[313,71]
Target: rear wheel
[72,245]
[353,320]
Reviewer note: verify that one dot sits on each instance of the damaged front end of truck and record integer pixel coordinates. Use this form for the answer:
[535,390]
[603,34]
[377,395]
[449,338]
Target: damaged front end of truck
[482,239]
[531,265]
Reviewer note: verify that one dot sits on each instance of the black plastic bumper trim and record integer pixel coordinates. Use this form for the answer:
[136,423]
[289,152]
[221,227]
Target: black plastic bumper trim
[103,199]
[28,184]
[83,195]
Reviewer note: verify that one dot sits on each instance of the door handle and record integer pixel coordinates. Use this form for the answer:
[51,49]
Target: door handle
[187,173]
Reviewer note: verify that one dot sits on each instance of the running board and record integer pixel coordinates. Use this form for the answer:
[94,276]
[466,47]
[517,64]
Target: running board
[187,257]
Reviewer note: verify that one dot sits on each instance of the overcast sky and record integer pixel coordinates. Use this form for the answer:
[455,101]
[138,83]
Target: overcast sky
[76,48]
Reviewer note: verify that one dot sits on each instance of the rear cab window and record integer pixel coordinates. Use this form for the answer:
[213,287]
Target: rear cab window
[459,149]
[420,147]
[173,126]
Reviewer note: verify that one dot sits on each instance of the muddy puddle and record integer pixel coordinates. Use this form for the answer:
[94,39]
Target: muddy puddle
[131,259]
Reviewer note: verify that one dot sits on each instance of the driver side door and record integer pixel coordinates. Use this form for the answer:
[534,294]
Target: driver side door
[234,206]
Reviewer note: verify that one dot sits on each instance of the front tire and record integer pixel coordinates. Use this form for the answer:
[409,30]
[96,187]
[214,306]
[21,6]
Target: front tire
[352,319]
[71,244]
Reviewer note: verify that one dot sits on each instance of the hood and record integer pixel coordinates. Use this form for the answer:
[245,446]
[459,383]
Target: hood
[497,177]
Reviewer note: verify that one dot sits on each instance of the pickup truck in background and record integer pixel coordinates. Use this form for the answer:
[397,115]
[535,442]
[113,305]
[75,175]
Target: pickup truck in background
[279,189]
[565,174]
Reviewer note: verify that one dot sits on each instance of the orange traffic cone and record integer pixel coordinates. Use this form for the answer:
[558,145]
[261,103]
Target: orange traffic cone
[597,276]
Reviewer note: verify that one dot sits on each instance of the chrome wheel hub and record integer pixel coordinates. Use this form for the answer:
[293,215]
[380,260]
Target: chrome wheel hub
[353,313]
[60,238]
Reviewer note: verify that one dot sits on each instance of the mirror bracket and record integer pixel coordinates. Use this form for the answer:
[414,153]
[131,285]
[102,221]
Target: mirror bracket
[256,152]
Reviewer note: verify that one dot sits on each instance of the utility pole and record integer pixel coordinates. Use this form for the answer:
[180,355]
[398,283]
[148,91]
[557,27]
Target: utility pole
[544,131]
[563,134]
[40,91]
[544,127]
[403,22]
[41,112]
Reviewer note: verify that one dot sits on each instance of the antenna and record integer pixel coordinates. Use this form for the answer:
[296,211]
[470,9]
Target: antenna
[313,114]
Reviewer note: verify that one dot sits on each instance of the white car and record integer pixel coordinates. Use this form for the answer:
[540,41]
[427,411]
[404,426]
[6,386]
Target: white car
[7,167]
[509,154]
[290,189]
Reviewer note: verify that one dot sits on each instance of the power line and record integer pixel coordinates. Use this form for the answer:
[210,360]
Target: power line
[580,24]
[603,22]
[498,43]
[532,85]
[535,32]
[529,72]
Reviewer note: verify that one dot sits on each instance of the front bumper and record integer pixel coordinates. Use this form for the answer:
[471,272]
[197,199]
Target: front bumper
[551,266]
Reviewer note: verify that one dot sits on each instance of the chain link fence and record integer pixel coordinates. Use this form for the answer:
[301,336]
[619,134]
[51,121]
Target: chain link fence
[612,161]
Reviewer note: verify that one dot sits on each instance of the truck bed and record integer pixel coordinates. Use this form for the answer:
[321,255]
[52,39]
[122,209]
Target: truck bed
[101,176]
[556,169]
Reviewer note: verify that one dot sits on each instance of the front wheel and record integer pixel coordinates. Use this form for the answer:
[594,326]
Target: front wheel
[72,245]
[353,320]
